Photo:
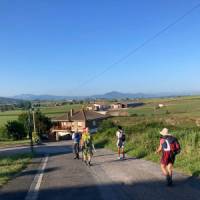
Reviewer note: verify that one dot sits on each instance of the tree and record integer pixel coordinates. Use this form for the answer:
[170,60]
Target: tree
[25,105]
[15,130]
[43,124]
[3,133]
[27,120]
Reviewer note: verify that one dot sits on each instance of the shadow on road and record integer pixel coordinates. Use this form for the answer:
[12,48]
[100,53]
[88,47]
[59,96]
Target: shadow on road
[40,149]
[149,190]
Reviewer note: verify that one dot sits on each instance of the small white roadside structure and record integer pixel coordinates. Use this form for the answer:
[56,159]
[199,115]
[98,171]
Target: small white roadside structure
[160,105]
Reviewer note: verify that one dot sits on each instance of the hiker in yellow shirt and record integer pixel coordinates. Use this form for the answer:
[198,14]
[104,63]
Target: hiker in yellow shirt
[86,145]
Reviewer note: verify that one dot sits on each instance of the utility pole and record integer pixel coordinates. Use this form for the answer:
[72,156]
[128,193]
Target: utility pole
[30,131]
[34,127]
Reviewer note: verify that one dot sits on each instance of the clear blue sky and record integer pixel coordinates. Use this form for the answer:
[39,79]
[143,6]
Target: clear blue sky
[52,46]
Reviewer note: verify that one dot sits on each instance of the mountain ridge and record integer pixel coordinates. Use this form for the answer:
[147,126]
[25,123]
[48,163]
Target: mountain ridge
[108,95]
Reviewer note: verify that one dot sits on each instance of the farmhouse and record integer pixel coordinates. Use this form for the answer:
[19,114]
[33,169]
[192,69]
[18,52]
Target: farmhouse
[98,106]
[77,121]
[120,105]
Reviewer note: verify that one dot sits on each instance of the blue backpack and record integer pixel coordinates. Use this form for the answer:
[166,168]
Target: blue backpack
[77,137]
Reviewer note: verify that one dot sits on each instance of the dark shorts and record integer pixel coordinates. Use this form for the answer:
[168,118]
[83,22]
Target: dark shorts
[120,144]
[167,158]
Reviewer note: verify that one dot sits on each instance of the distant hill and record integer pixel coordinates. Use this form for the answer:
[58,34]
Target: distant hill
[109,95]
[119,95]
[8,101]
[31,97]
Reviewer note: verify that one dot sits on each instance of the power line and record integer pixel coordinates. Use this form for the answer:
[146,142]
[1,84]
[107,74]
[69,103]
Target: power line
[147,41]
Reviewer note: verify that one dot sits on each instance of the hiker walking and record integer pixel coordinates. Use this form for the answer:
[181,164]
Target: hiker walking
[170,147]
[87,146]
[120,141]
[76,138]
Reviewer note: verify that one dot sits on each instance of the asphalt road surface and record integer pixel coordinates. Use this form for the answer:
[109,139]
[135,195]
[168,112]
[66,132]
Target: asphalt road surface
[57,176]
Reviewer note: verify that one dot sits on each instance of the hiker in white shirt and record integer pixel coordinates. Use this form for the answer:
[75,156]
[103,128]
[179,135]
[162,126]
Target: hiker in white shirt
[120,142]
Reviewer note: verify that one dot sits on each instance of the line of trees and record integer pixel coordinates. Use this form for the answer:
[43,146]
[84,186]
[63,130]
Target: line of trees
[24,105]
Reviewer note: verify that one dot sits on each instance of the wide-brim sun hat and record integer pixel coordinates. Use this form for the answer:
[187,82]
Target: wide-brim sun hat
[165,132]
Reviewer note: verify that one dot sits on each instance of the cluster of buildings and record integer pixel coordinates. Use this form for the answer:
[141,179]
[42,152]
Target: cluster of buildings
[90,117]
[101,106]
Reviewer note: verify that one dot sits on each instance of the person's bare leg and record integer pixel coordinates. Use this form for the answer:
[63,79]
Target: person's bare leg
[164,170]
[118,152]
[170,169]
[84,157]
[123,152]
[89,159]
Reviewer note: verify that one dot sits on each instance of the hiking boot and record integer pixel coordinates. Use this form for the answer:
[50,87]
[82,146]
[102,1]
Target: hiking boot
[169,180]
[89,163]
[118,157]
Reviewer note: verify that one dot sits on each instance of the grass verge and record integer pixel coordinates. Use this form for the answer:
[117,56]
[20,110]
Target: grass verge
[12,143]
[11,165]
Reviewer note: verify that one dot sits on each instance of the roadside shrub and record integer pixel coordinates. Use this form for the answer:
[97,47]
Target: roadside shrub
[134,115]
[107,124]
[3,133]
[15,130]
[140,152]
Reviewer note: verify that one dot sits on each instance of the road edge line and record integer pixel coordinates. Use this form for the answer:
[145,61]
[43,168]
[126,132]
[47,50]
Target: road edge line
[35,185]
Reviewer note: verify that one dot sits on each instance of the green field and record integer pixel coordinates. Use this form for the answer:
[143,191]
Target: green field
[184,111]
[52,111]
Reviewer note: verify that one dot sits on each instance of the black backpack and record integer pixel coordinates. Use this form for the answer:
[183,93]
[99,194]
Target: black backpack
[123,138]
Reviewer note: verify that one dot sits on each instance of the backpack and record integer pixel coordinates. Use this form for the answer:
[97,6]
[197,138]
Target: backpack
[172,145]
[87,141]
[77,137]
[123,138]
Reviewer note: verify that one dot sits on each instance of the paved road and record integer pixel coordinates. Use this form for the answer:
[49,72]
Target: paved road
[45,148]
[65,178]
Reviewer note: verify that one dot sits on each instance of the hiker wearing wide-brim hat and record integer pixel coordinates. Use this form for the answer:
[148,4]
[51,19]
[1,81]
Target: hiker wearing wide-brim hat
[165,132]
[169,147]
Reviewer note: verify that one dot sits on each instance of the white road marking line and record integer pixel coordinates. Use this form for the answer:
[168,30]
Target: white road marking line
[35,186]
